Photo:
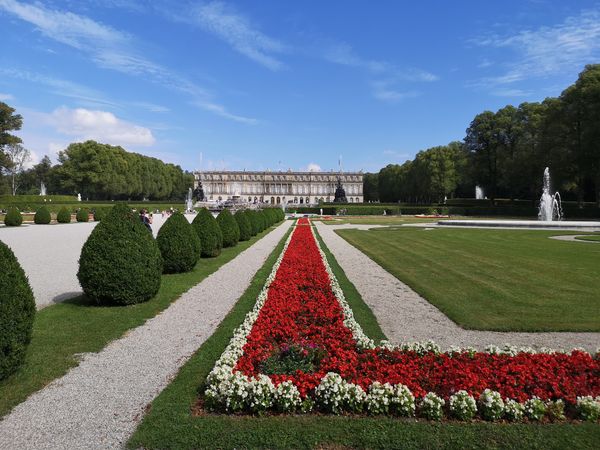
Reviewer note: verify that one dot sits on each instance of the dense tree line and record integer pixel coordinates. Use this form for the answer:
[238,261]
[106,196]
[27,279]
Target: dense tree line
[506,152]
[97,171]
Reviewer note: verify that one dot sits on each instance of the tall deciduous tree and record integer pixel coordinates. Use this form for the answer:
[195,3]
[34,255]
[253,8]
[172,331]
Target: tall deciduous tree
[17,157]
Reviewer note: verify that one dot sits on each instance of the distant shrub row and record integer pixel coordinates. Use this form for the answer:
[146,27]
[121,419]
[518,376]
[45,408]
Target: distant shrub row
[121,263]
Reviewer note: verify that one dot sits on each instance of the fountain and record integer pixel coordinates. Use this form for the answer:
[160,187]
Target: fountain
[188,201]
[550,215]
[550,205]
[479,195]
[42,189]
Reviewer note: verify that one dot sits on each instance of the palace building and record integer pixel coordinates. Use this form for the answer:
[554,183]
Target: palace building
[278,187]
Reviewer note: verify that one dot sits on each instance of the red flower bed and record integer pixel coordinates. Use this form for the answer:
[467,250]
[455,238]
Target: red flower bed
[302,312]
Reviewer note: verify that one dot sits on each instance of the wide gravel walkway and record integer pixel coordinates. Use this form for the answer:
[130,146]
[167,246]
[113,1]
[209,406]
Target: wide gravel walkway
[99,403]
[405,316]
[49,255]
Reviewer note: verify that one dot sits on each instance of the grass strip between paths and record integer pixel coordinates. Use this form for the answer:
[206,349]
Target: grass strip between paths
[64,330]
[170,424]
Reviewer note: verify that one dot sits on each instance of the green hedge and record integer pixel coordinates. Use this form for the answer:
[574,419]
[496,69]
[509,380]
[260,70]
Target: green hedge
[17,311]
[244,225]
[120,262]
[13,217]
[179,244]
[83,215]
[63,216]
[229,228]
[42,216]
[24,199]
[209,232]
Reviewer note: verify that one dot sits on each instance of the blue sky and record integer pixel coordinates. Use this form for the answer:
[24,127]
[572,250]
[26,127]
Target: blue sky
[281,84]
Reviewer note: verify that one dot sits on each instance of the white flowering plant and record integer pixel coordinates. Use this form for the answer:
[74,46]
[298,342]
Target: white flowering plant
[432,406]
[588,408]
[535,409]
[462,405]
[491,405]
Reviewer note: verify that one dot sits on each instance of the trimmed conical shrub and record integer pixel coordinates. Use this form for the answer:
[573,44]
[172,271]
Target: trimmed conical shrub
[120,262]
[42,216]
[17,311]
[179,244]
[243,225]
[63,216]
[209,232]
[13,217]
[262,220]
[252,222]
[83,215]
[229,228]
[100,213]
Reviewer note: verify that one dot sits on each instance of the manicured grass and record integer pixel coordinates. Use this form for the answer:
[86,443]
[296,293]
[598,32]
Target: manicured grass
[62,331]
[591,237]
[493,279]
[170,423]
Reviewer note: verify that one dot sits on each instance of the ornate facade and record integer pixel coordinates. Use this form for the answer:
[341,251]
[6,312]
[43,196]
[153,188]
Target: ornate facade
[279,187]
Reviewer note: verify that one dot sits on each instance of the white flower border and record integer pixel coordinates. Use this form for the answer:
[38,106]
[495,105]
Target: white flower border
[234,391]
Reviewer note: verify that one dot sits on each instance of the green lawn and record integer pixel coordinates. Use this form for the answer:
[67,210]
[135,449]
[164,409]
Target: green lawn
[62,331]
[170,423]
[493,279]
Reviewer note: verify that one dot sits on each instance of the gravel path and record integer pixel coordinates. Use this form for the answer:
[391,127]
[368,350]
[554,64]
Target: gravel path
[99,403]
[573,238]
[49,254]
[405,316]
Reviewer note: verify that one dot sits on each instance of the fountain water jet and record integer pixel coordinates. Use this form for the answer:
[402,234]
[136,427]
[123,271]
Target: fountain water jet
[549,216]
[550,205]
[188,201]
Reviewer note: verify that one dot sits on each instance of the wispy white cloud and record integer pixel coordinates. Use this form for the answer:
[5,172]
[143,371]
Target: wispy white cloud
[388,76]
[152,107]
[342,53]
[238,31]
[384,90]
[103,126]
[312,167]
[221,111]
[510,92]
[60,87]
[109,48]
[547,50]
[4,97]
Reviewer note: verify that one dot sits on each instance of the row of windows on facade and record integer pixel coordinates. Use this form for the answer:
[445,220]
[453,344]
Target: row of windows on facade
[351,189]
[283,200]
[260,177]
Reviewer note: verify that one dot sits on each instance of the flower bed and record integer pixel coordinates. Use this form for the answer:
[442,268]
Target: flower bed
[300,348]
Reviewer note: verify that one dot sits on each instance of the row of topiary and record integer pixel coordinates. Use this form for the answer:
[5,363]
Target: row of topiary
[121,263]
[13,217]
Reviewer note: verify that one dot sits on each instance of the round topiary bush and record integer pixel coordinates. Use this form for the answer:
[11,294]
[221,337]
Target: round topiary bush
[229,228]
[100,213]
[179,244]
[63,216]
[209,232]
[120,262]
[17,310]
[243,225]
[252,222]
[13,217]
[83,215]
[42,216]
